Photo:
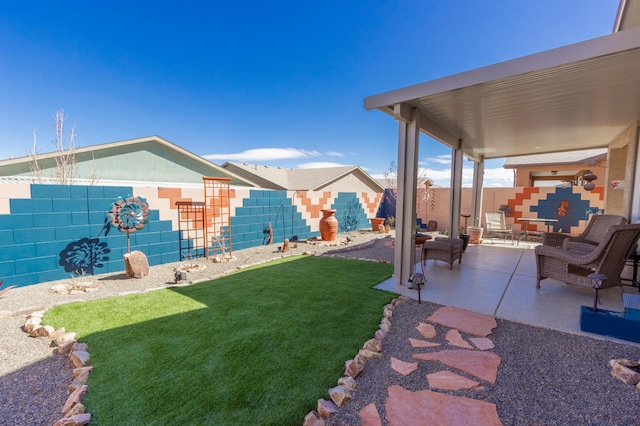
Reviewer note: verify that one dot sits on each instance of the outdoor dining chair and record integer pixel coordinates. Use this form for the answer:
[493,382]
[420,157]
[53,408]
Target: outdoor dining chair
[497,223]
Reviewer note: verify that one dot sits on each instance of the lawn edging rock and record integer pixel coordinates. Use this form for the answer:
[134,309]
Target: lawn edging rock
[347,384]
[73,411]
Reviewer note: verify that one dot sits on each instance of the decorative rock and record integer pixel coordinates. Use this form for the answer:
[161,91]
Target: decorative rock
[69,335]
[388,313]
[136,264]
[386,320]
[78,381]
[347,382]
[80,347]
[59,332]
[79,358]
[385,327]
[31,323]
[77,420]
[426,407]
[428,331]
[454,338]
[340,395]
[75,397]
[373,345]
[79,408]
[353,369]
[66,347]
[368,354]
[82,370]
[313,419]
[28,310]
[622,369]
[480,364]
[370,415]
[380,335]
[448,380]
[38,314]
[42,331]
[62,288]
[482,343]
[422,343]
[404,368]
[326,408]
[469,322]
[390,306]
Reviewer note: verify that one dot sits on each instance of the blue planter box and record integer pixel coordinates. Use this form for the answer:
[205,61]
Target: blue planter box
[609,323]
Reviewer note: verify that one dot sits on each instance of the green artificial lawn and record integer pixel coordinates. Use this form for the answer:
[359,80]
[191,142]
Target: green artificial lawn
[258,347]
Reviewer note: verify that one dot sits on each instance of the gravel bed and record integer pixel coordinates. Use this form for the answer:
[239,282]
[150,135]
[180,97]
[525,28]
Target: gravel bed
[33,377]
[546,377]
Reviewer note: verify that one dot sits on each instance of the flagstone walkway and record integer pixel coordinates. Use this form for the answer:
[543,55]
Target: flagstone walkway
[466,368]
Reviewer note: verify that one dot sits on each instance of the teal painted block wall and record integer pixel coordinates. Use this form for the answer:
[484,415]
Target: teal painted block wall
[62,230]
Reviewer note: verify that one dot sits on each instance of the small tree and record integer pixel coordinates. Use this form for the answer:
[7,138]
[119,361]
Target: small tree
[66,152]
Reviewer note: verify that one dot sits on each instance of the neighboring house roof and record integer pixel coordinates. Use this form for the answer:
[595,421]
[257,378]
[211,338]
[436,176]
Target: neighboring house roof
[586,157]
[297,179]
[148,159]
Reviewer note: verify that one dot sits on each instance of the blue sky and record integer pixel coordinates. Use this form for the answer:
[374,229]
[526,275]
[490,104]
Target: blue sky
[274,83]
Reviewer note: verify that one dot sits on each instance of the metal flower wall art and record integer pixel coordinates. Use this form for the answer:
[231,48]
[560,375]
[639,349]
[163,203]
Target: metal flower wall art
[128,215]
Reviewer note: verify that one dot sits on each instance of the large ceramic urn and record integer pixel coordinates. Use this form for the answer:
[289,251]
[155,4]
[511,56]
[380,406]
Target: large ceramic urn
[328,225]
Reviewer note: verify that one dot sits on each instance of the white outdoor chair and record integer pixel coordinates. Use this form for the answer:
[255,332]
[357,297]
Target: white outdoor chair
[497,223]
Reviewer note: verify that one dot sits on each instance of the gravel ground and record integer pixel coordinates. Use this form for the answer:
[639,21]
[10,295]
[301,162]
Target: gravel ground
[33,377]
[546,377]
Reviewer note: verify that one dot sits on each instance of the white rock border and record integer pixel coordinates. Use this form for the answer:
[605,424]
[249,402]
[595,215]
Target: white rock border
[346,385]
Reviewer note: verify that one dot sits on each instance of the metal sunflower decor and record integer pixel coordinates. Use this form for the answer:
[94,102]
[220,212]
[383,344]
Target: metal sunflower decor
[128,215]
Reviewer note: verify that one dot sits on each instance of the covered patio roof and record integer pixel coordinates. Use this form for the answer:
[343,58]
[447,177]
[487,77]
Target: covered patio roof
[574,97]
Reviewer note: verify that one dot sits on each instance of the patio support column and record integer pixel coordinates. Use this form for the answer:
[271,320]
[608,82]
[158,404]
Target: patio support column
[456,190]
[408,134]
[476,192]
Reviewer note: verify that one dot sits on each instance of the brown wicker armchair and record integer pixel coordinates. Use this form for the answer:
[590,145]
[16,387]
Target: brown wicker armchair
[593,234]
[581,258]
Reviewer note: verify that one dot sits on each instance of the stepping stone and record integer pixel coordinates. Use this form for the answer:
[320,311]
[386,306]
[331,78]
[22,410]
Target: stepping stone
[482,343]
[416,343]
[426,407]
[370,416]
[480,364]
[404,368]
[469,322]
[454,338]
[428,331]
[448,380]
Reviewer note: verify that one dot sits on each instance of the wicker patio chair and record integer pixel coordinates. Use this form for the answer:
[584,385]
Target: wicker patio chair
[446,249]
[497,223]
[573,265]
[593,234]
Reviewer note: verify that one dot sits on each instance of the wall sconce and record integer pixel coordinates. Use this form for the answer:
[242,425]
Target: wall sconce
[589,177]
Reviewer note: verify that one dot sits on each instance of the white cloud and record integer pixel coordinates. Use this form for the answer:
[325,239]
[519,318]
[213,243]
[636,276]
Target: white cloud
[320,165]
[440,159]
[335,154]
[498,177]
[264,154]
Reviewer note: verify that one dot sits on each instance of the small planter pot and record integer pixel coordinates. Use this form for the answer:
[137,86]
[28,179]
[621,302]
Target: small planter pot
[376,222]
[465,241]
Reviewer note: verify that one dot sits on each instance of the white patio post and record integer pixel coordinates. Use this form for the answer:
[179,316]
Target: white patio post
[456,190]
[408,134]
[476,192]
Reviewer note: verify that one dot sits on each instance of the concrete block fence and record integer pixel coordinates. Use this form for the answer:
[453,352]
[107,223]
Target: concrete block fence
[52,232]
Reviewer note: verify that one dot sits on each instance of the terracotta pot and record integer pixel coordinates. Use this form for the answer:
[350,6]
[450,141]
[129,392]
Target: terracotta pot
[475,234]
[328,225]
[376,222]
